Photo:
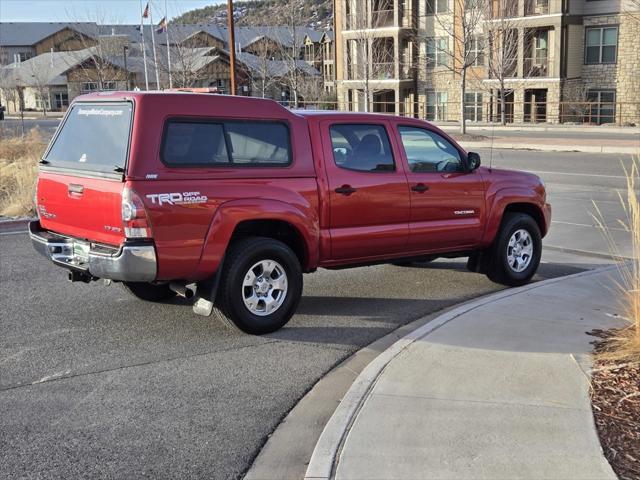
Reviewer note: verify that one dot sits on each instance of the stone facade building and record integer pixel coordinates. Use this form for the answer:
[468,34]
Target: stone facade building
[569,61]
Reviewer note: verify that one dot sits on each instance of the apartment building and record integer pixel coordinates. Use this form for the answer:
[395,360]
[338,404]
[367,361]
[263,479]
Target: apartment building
[567,60]
[375,53]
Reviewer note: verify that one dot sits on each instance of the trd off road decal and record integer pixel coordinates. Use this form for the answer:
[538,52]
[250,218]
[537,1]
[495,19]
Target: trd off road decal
[185,198]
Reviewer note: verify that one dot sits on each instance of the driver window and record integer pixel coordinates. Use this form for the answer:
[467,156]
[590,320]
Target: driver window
[429,152]
[364,148]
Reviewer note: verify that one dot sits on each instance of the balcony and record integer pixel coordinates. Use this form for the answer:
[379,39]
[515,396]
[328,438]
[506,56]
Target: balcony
[383,71]
[536,67]
[536,7]
[382,18]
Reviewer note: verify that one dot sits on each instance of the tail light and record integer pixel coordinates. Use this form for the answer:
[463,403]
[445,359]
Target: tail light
[134,216]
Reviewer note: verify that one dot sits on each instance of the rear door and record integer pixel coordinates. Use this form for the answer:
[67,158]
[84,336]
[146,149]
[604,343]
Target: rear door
[447,202]
[81,175]
[368,192]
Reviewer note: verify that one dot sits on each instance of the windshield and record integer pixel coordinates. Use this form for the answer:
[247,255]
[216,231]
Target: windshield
[94,137]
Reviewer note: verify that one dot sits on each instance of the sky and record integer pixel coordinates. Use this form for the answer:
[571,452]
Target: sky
[105,11]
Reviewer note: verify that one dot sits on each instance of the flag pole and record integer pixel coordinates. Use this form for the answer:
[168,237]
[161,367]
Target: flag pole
[153,42]
[144,49]
[166,19]
[232,46]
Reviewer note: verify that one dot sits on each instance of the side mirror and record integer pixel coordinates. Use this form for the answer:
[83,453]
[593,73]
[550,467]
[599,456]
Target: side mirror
[473,161]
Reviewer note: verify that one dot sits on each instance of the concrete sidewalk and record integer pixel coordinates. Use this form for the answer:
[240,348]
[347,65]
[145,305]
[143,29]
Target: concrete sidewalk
[629,147]
[495,389]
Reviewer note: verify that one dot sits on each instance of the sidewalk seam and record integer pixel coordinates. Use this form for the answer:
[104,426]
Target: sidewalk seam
[326,454]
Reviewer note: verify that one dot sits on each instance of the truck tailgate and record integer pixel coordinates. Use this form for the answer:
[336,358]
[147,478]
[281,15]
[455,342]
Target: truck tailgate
[81,207]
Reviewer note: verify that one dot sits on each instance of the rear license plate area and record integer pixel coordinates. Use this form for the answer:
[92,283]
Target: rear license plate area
[80,252]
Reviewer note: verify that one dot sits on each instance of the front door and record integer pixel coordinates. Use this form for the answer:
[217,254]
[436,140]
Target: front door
[368,191]
[447,202]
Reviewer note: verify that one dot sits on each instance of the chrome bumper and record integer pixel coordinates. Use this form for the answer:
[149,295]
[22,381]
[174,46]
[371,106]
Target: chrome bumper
[132,262]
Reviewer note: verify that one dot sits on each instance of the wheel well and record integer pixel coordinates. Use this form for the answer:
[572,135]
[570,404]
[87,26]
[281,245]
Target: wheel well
[276,229]
[531,210]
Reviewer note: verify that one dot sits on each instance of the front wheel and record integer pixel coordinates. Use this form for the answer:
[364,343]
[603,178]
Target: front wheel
[260,285]
[516,252]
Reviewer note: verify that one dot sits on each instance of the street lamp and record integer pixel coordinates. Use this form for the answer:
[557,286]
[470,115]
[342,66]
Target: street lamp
[125,49]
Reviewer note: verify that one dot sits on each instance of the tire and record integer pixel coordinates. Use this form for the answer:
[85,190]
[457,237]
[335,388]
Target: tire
[245,294]
[515,266]
[149,292]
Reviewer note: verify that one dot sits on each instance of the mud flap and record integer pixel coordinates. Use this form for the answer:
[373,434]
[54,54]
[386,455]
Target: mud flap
[478,262]
[206,293]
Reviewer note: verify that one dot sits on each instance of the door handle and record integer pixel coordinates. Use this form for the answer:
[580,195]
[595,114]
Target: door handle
[345,190]
[420,188]
[76,189]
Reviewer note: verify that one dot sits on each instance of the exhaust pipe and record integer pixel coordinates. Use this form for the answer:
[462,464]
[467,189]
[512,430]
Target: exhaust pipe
[181,290]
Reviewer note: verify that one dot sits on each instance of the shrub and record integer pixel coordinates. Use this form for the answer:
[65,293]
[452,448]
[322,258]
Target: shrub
[18,171]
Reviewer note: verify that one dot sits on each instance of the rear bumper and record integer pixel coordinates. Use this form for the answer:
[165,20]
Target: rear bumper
[131,262]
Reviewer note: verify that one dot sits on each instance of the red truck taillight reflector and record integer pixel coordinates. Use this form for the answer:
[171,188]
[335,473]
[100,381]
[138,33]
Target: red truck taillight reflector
[134,216]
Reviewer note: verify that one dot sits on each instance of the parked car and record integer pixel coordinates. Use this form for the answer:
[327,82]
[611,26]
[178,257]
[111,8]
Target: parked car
[229,200]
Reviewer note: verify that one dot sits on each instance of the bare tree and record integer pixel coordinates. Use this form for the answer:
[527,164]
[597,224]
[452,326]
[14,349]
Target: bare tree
[502,36]
[463,26]
[187,65]
[312,90]
[575,102]
[369,55]
[12,92]
[40,76]
[102,51]
[260,71]
[290,45]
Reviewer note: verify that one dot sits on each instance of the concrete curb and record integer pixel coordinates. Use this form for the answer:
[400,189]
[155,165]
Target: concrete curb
[328,447]
[553,148]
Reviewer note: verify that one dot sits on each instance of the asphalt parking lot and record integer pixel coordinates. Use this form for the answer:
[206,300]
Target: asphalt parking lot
[96,384]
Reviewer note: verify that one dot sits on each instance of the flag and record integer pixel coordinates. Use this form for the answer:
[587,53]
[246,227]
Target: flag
[162,26]
[145,14]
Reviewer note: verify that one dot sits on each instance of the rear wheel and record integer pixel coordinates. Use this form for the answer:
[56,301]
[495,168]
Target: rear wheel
[516,252]
[260,285]
[148,291]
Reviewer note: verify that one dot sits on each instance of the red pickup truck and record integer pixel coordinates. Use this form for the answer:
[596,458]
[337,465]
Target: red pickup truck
[230,200]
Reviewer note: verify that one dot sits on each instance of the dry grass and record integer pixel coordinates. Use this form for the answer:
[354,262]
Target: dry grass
[18,171]
[624,345]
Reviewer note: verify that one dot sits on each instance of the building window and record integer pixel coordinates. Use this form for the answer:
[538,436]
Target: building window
[437,6]
[603,106]
[60,100]
[473,106]
[601,45]
[476,51]
[42,100]
[437,48]
[109,86]
[88,87]
[22,57]
[436,108]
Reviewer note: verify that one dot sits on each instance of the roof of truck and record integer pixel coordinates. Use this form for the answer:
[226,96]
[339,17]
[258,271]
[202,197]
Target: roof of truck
[241,101]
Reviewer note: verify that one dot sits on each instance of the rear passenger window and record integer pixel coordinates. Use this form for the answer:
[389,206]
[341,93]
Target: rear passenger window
[256,143]
[364,148]
[232,143]
[194,144]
